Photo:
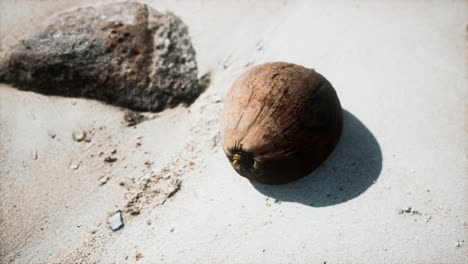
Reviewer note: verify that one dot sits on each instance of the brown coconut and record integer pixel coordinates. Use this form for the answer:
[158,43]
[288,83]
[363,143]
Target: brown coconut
[280,122]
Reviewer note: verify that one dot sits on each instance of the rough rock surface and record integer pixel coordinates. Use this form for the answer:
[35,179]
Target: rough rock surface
[125,54]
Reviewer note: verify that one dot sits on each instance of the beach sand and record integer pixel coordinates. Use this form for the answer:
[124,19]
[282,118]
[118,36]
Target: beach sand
[394,191]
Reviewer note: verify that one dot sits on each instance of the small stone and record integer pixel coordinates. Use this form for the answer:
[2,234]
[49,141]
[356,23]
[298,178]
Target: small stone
[148,163]
[116,220]
[148,222]
[135,211]
[88,138]
[110,159]
[138,256]
[74,165]
[52,135]
[79,136]
[93,231]
[133,118]
[172,230]
[103,180]
[457,244]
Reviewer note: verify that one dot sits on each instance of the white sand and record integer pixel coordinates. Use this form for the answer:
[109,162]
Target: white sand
[400,70]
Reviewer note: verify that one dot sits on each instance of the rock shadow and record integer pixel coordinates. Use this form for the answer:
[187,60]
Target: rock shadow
[348,172]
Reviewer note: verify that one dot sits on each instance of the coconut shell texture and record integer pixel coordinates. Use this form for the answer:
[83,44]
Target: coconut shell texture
[280,122]
[125,54]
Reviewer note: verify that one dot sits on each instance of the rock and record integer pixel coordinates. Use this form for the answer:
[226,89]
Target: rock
[88,137]
[74,165]
[116,220]
[125,54]
[409,210]
[103,180]
[138,256]
[79,136]
[133,118]
[110,159]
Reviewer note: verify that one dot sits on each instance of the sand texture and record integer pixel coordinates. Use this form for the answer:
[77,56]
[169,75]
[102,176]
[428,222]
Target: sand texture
[82,181]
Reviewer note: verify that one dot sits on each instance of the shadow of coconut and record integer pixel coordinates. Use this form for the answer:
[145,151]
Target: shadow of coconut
[348,172]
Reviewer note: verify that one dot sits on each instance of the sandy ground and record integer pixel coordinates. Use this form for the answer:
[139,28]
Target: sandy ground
[400,70]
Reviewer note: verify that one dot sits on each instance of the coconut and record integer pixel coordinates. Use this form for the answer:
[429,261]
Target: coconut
[280,122]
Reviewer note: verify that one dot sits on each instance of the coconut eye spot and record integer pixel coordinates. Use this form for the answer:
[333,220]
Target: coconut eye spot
[242,160]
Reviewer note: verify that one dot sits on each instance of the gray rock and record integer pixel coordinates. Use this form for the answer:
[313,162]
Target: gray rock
[125,54]
[116,220]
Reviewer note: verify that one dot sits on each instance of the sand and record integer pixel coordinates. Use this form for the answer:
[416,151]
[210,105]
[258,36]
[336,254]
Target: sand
[394,191]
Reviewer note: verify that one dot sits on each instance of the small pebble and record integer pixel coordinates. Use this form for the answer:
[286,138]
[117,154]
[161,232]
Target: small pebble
[110,159]
[79,136]
[75,165]
[103,180]
[408,210]
[116,220]
[138,256]
[88,138]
